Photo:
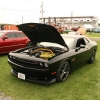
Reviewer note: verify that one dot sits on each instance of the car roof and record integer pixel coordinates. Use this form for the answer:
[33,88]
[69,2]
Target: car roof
[73,36]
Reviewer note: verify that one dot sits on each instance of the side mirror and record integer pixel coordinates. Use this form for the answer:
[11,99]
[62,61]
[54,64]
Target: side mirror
[82,46]
[78,48]
[5,37]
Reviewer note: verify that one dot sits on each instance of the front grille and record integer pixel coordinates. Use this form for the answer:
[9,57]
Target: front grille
[26,63]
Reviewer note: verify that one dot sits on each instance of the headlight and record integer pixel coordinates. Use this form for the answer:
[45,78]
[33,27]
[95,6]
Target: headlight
[46,64]
[14,58]
[41,64]
[10,56]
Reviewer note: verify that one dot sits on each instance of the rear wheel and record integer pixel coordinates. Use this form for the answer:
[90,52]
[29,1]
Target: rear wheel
[91,60]
[63,71]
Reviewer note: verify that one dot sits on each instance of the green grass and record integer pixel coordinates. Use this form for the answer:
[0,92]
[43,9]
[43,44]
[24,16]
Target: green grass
[82,84]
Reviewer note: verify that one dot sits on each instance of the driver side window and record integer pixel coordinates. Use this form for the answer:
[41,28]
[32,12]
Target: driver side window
[10,35]
[80,41]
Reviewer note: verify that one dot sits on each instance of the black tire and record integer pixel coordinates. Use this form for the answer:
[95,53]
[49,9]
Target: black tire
[91,60]
[29,44]
[63,71]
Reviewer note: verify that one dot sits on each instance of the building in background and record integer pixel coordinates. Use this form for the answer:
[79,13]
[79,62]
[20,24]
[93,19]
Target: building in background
[74,21]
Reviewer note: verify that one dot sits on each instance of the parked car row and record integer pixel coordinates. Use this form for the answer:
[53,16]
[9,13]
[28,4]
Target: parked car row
[96,29]
[11,40]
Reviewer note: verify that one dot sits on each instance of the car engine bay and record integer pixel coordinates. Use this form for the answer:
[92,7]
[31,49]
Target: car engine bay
[43,52]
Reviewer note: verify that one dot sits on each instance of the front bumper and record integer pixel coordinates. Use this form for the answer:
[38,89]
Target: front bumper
[35,75]
[34,79]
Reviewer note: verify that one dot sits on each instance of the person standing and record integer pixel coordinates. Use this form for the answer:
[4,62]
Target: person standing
[90,30]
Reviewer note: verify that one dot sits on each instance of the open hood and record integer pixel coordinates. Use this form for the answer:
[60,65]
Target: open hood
[37,32]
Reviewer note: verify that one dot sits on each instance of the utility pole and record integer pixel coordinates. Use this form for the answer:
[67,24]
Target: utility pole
[22,19]
[71,18]
[42,12]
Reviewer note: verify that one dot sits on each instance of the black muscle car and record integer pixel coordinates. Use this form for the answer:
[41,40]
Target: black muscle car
[53,55]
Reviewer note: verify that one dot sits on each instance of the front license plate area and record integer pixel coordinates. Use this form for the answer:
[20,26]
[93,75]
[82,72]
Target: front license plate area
[21,76]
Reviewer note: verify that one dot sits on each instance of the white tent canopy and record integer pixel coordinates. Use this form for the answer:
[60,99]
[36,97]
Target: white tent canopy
[89,26]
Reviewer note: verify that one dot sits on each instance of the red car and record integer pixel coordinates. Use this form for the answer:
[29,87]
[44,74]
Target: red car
[75,28]
[11,40]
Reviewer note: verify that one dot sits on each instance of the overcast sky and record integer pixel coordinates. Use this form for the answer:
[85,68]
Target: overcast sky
[13,10]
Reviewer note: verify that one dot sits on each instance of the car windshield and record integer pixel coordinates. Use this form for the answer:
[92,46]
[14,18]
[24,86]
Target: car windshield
[50,44]
[1,33]
[69,41]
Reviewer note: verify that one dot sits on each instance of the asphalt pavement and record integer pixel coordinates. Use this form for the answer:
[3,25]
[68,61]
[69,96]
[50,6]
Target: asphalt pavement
[2,97]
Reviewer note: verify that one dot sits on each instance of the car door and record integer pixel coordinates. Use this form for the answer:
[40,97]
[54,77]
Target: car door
[8,42]
[21,40]
[81,51]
